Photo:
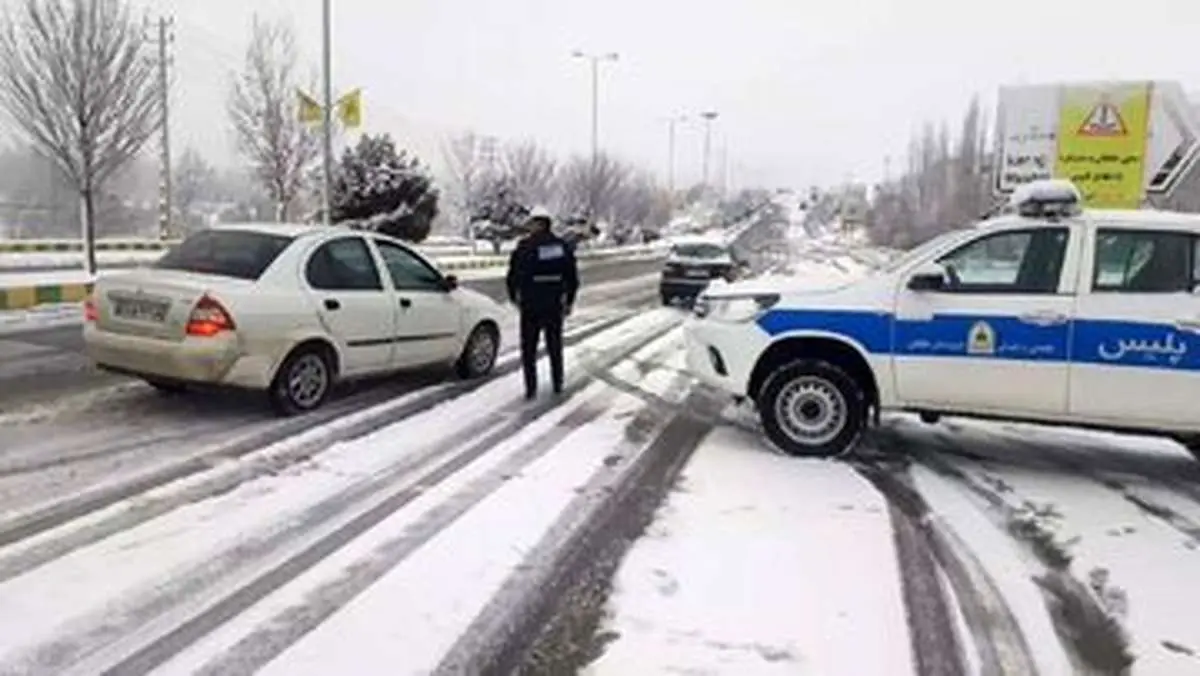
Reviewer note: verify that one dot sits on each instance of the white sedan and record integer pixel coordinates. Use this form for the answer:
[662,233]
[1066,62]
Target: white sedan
[287,309]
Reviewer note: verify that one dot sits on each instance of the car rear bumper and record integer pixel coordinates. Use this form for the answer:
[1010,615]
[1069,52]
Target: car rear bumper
[682,287]
[210,361]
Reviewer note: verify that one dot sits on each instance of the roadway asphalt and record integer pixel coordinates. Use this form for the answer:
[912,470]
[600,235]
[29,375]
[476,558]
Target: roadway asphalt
[39,365]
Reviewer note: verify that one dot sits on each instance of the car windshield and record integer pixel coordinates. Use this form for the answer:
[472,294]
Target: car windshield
[914,255]
[699,251]
[241,254]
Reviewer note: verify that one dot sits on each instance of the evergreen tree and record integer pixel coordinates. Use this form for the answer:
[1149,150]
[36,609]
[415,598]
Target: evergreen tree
[379,188]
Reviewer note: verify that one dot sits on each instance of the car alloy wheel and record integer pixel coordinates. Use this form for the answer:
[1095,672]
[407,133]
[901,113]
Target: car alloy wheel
[482,353]
[479,354]
[307,381]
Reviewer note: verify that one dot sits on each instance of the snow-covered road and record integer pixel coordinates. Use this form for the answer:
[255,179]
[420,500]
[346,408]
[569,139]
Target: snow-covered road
[276,557]
[635,525]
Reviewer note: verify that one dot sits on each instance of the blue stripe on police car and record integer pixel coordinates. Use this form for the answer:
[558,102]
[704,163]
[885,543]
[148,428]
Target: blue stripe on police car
[1112,343]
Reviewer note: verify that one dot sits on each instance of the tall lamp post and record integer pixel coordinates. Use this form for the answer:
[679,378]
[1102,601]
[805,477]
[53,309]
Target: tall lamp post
[671,122]
[708,116]
[327,107]
[594,60]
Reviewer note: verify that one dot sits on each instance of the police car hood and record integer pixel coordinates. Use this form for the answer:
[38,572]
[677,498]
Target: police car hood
[788,285]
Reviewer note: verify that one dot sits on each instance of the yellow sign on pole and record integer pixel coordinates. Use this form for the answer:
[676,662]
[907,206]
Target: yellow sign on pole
[309,110]
[349,109]
[1102,142]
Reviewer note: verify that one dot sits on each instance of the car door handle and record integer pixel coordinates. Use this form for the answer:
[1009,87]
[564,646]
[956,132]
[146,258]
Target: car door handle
[1189,325]
[1044,318]
[405,303]
[332,304]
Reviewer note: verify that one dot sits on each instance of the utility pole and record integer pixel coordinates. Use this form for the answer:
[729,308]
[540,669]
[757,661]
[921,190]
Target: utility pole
[595,60]
[327,108]
[708,117]
[163,39]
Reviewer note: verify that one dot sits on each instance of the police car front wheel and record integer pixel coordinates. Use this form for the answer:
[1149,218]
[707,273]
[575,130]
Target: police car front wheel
[812,408]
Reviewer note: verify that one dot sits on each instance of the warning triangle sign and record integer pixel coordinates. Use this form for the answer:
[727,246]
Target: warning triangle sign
[1104,120]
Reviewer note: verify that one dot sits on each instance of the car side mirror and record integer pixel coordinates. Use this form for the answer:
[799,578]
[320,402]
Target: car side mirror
[929,277]
[451,282]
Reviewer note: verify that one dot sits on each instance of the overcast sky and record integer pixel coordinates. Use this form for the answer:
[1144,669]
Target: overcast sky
[808,92]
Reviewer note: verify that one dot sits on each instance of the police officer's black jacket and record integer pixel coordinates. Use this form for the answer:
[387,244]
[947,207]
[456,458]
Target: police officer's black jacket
[542,273]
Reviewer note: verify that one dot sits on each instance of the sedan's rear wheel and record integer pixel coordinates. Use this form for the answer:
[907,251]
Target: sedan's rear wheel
[303,382]
[479,354]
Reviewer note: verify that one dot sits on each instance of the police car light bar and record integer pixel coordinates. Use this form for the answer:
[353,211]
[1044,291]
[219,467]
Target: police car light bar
[1046,199]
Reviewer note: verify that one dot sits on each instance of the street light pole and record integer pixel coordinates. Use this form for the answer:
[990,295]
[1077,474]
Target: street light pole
[671,122]
[327,107]
[708,116]
[594,60]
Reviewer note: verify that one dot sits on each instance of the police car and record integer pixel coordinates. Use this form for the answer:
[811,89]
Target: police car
[691,264]
[1045,313]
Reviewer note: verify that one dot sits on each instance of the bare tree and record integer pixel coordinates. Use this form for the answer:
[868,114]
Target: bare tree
[75,82]
[468,171]
[195,180]
[533,171]
[280,149]
[582,184]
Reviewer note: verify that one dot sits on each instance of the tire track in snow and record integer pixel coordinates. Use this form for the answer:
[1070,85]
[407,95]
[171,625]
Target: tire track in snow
[1111,470]
[996,634]
[559,598]
[203,463]
[289,626]
[580,554]
[935,646]
[140,632]
[1094,638]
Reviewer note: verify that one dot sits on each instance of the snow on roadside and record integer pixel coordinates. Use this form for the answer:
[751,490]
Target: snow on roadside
[761,564]
[40,317]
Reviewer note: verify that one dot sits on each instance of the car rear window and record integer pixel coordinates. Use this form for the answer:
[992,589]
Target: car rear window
[227,253]
[699,251]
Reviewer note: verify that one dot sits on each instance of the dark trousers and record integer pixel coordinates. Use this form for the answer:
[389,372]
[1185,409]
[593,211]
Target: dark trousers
[533,325]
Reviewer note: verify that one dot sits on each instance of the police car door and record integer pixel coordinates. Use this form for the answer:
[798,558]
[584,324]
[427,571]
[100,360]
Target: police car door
[1136,341]
[993,337]
[428,319]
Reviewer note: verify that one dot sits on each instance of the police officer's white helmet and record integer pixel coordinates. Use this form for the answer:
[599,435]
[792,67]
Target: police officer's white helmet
[541,212]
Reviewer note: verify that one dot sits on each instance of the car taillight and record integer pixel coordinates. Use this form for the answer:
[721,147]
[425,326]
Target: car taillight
[209,318]
[90,314]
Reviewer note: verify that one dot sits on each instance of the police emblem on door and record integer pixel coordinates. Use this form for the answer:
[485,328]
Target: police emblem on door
[981,339]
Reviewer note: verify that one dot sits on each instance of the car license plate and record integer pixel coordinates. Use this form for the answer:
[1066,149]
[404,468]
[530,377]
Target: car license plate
[140,310]
[697,272]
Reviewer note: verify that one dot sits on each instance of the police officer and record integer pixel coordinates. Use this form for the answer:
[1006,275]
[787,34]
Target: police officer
[542,281]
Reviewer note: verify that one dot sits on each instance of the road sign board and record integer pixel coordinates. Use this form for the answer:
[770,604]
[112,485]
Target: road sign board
[1031,124]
